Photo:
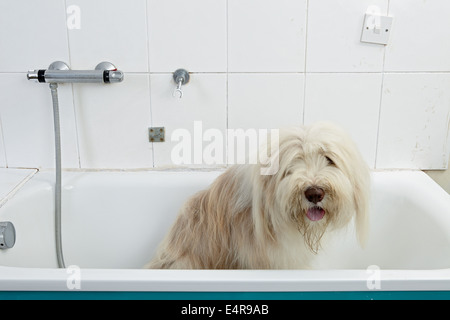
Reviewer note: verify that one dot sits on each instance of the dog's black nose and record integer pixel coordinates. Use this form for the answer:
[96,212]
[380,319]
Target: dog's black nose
[314,194]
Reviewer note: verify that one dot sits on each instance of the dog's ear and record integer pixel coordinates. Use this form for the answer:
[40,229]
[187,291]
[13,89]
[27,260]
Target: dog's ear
[359,175]
[361,196]
[350,161]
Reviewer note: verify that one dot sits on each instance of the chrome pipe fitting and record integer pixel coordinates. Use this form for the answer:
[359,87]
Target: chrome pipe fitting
[59,72]
[7,235]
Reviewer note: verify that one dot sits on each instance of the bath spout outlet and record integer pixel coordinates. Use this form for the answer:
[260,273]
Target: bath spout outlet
[181,77]
[7,235]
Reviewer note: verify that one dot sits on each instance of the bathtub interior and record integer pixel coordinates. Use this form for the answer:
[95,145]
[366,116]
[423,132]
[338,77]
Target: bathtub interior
[115,220]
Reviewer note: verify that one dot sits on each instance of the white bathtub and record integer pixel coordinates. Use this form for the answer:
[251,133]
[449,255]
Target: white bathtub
[113,221]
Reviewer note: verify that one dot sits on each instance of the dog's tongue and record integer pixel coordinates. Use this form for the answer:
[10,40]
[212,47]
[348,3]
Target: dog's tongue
[315,213]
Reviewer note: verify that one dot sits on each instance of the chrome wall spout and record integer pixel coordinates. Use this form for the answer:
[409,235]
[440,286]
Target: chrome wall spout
[181,77]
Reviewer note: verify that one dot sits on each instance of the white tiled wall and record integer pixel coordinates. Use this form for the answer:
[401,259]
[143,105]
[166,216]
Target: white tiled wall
[173,113]
[27,123]
[265,100]
[187,34]
[27,39]
[113,123]
[351,100]
[420,38]
[420,138]
[253,63]
[334,32]
[266,37]
[113,31]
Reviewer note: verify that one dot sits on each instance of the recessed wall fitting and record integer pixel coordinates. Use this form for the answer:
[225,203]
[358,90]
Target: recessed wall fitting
[156,134]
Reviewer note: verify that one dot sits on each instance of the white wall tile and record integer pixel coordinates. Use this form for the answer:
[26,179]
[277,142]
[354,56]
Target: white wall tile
[32,34]
[204,100]
[419,39]
[27,122]
[114,31]
[334,33]
[414,121]
[113,122]
[3,162]
[187,34]
[265,100]
[350,100]
[266,35]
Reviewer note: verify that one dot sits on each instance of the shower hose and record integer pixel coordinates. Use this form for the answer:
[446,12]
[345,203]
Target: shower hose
[58,234]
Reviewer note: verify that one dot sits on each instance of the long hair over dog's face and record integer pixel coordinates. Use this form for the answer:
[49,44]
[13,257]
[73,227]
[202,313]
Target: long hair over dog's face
[321,184]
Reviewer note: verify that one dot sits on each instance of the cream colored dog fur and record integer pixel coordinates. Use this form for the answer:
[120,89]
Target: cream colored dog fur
[246,220]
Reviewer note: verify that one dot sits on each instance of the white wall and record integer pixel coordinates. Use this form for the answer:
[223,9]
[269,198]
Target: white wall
[254,64]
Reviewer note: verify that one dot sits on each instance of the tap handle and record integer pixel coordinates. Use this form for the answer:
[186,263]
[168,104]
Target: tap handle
[178,92]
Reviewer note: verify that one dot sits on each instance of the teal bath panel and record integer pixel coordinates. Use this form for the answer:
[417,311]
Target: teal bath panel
[327,295]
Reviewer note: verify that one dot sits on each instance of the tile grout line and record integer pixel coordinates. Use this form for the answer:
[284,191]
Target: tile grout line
[381,99]
[304,66]
[75,118]
[2,136]
[149,78]
[227,124]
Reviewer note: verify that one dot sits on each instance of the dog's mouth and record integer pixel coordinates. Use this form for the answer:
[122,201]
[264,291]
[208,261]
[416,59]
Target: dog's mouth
[315,213]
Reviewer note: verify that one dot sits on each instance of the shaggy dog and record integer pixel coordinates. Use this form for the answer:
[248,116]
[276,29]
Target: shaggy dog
[246,220]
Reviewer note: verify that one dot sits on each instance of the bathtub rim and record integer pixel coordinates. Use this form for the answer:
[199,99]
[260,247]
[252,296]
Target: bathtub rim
[134,280]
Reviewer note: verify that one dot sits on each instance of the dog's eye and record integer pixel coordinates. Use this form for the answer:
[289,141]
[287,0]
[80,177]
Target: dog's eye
[330,162]
[286,174]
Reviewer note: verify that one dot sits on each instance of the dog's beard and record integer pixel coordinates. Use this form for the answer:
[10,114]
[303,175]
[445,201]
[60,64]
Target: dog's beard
[311,220]
[311,231]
